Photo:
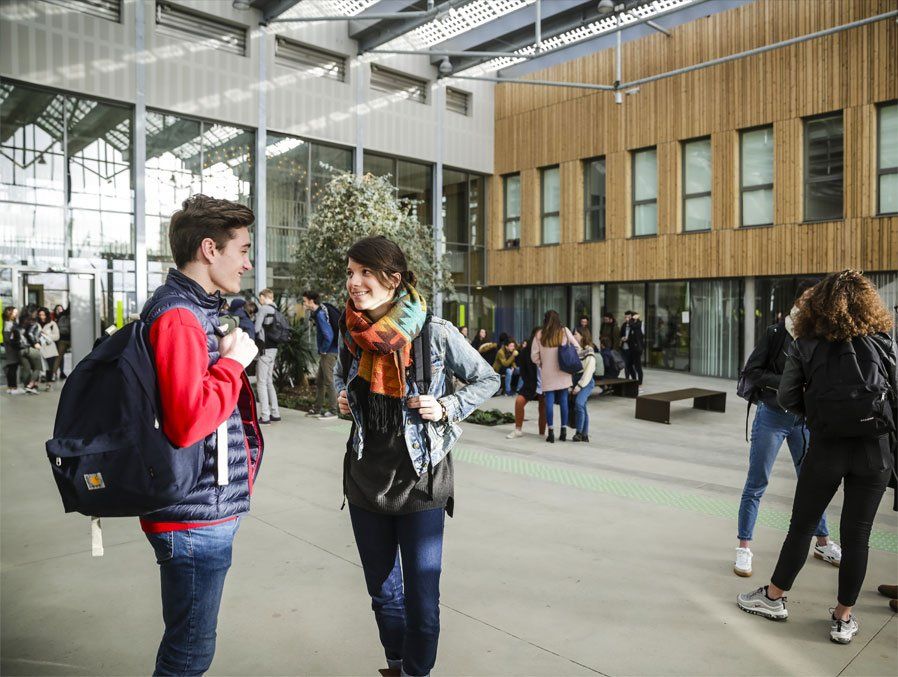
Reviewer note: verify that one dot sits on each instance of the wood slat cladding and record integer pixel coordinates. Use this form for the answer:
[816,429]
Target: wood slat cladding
[851,72]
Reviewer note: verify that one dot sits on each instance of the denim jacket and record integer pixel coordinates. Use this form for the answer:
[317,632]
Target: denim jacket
[450,353]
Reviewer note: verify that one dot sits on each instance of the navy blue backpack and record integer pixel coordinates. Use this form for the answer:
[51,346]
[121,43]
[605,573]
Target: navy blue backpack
[108,453]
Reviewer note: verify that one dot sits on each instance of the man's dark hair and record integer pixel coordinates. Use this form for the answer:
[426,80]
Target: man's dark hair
[628,312]
[313,296]
[202,217]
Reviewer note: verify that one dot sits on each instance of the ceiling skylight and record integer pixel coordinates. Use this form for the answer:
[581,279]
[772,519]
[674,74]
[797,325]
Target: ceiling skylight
[591,30]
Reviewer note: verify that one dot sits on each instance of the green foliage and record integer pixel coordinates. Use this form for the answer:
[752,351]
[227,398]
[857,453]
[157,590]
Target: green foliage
[296,358]
[353,207]
[490,417]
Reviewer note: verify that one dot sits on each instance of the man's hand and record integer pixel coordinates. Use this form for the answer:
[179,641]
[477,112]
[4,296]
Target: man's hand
[576,389]
[428,407]
[238,346]
[343,402]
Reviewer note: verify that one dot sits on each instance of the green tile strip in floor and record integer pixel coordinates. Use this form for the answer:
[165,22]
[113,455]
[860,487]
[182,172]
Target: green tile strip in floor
[647,493]
[706,505]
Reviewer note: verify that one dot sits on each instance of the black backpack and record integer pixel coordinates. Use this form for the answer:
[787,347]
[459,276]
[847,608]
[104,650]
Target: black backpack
[278,331]
[848,392]
[746,388]
[108,453]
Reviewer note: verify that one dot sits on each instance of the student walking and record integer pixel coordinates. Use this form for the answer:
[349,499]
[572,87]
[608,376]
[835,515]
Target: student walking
[584,386]
[204,395]
[268,396]
[632,343]
[49,337]
[530,390]
[326,337]
[556,383]
[841,374]
[772,426]
[397,473]
[12,343]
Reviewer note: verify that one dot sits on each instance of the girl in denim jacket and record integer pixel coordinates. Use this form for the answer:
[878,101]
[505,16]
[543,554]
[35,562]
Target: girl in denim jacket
[397,475]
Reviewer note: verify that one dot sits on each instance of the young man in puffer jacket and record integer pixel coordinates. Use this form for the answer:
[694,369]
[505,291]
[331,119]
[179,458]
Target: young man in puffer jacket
[205,395]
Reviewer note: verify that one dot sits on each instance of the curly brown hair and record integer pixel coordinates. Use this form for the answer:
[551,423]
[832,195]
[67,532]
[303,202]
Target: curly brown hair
[840,307]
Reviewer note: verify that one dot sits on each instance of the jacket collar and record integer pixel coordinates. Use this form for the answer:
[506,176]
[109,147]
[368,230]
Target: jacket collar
[192,290]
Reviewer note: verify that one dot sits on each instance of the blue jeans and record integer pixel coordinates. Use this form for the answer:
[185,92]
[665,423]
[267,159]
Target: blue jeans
[193,564]
[561,397]
[581,415]
[771,426]
[510,373]
[402,560]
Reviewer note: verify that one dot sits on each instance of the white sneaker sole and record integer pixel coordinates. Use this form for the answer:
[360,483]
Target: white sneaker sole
[766,613]
[742,572]
[817,555]
[843,640]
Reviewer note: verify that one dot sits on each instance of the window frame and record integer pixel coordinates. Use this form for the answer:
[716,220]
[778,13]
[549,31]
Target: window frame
[542,205]
[511,243]
[760,186]
[880,172]
[420,85]
[684,196]
[806,160]
[588,208]
[634,203]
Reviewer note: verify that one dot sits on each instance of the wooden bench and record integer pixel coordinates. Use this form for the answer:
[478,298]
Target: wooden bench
[625,387]
[656,407]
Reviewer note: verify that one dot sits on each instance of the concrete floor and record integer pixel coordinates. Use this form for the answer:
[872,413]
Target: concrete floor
[611,558]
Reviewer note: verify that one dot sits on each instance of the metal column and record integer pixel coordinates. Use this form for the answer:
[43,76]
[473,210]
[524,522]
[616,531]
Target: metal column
[437,207]
[261,254]
[140,157]
[359,159]
[748,329]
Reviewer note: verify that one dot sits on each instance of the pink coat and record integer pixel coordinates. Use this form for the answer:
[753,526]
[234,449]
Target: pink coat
[547,360]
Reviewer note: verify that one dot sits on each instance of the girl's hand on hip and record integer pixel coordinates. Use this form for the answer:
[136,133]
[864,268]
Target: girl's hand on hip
[428,407]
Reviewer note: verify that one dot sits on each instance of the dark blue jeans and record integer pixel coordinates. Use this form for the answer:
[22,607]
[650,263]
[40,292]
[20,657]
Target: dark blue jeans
[192,564]
[402,558]
[581,414]
[770,429]
[552,397]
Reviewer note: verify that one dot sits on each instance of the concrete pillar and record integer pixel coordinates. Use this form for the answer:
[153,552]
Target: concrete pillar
[748,331]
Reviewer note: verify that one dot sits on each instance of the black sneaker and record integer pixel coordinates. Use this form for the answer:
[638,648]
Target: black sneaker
[563,436]
[551,436]
[264,421]
[275,419]
[577,437]
[584,438]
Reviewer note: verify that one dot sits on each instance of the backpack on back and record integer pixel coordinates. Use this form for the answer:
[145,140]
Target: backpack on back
[278,330]
[848,392]
[746,388]
[333,318]
[108,453]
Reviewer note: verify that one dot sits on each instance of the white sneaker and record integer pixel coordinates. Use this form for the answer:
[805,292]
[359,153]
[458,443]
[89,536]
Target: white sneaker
[742,567]
[842,632]
[831,552]
[514,434]
[15,391]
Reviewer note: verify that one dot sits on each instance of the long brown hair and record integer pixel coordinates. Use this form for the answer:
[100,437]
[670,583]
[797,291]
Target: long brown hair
[843,305]
[552,330]
[384,258]
[586,335]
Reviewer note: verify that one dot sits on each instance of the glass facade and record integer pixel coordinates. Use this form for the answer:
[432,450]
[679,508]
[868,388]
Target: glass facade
[66,188]
[756,155]
[511,196]
[413,181]
[184,157]
[666,325]
[715,327]
[594,198]
[296,173]
[824,171]
[645,192]
[697,185]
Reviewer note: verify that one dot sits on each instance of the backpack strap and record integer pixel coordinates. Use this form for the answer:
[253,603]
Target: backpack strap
[421,357]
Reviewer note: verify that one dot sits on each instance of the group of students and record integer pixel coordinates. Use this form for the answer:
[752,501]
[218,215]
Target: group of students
[824,381]
[35,341]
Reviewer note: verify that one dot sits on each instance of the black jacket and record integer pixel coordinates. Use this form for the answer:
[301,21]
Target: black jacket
[632,331]
[528,373]
[801,360]
[764,367]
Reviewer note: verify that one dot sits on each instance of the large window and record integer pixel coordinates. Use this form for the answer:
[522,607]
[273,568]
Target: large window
[823,168]
[550,182]
[413,181]
[185,157]
[594,199]
[756,176]
[887,159]
[511,194]
[697,185]
[296,174]
[645,192]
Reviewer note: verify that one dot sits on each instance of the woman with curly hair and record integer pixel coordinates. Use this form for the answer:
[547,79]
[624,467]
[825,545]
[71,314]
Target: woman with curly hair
[840,375]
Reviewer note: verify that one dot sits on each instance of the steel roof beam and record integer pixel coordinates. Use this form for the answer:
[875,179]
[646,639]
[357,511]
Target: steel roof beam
[272,9]
[362,29]
[394,29]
